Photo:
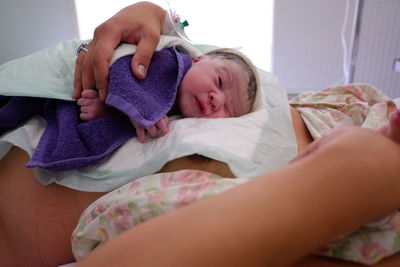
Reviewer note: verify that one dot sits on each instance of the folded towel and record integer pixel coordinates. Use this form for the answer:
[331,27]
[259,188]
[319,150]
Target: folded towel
[152,97]
[69,143]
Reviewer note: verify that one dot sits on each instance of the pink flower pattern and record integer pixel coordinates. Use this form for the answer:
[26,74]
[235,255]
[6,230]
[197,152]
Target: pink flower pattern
[119,216]
[373,252]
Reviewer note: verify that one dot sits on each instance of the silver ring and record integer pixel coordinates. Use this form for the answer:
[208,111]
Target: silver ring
[82,47]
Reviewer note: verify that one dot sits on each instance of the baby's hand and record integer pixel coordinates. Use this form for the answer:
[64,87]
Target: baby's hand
[157,130]
[91,107]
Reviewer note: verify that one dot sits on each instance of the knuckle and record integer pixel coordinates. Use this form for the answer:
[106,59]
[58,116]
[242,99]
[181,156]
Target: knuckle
[80,58]
[102,28]
[153,36]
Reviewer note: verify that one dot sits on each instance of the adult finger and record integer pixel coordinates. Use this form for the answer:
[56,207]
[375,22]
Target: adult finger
[144,51]
[84,78]
[102,55]
[88,80]
[78,76]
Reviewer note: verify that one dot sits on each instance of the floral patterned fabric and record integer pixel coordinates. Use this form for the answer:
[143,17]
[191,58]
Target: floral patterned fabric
[366,106]
[154,195]
[353,104]
[141,200]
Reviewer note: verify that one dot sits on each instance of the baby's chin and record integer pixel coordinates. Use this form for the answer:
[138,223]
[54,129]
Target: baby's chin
[189,114]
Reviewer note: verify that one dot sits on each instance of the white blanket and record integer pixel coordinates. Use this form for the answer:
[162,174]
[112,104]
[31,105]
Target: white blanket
[251,145]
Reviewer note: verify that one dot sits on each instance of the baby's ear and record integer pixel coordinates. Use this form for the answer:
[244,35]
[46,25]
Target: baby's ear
[198,58]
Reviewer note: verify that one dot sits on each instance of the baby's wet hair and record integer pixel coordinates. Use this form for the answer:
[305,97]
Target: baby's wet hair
[253,85]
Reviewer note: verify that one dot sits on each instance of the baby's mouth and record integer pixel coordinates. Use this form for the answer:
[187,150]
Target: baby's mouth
[200,106]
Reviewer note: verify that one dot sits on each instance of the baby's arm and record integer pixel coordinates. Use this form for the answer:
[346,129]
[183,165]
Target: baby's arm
[157,130]
[91,106]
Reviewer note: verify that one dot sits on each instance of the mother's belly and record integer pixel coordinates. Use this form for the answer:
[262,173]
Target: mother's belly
[36,221]
[303,136]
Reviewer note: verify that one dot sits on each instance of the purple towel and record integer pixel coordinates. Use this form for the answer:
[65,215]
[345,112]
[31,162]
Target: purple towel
[154,96]
[69,143]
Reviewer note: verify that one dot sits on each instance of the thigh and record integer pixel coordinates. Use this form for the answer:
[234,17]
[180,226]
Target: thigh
[36,221]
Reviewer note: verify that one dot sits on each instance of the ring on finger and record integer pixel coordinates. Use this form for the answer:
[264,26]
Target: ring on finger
[82,47]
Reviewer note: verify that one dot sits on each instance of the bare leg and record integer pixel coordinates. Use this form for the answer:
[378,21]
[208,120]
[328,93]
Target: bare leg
[91,106]
[276,219]
[36,221]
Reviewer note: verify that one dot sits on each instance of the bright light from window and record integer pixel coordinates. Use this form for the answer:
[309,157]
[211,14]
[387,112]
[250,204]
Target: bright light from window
[237,24]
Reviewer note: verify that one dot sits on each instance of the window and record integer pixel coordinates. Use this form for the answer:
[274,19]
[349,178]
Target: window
[237,24]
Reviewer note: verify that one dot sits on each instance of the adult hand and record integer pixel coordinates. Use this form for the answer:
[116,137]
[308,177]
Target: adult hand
[391,130]
[332,136]
[139,24]
[157,130]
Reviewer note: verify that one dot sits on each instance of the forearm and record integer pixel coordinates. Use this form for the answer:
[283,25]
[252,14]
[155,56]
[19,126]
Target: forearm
[274,220]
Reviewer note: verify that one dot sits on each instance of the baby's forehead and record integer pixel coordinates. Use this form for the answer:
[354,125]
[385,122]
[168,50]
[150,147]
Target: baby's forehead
[248,72]
[239,86]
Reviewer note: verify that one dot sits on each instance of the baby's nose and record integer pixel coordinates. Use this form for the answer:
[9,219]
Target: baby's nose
[216,100]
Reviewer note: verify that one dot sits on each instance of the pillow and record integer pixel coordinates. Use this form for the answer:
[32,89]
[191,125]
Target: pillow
[251,145]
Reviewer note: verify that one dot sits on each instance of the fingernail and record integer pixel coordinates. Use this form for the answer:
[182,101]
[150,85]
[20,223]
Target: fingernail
[142,70]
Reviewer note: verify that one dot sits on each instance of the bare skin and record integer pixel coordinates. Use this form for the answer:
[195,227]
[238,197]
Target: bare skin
[139,24]
[275,219]
[37,220]
[33,209]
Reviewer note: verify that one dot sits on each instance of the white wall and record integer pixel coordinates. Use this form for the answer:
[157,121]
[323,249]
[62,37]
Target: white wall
[380,46]
[28,26]
[223,23]
[307,47]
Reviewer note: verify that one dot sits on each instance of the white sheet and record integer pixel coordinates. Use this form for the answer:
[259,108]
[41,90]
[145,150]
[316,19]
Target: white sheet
[251,145]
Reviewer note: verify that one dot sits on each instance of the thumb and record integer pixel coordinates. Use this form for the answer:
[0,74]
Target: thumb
[393,131]
[142,57]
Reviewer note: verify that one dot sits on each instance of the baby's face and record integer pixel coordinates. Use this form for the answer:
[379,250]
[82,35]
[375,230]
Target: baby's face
[213,88]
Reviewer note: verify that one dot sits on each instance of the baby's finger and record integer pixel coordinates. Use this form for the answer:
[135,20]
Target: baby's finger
[84,116]
[84,102]
[89,93]
[152,130]
[162,126]
[86,109]
[140,133]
